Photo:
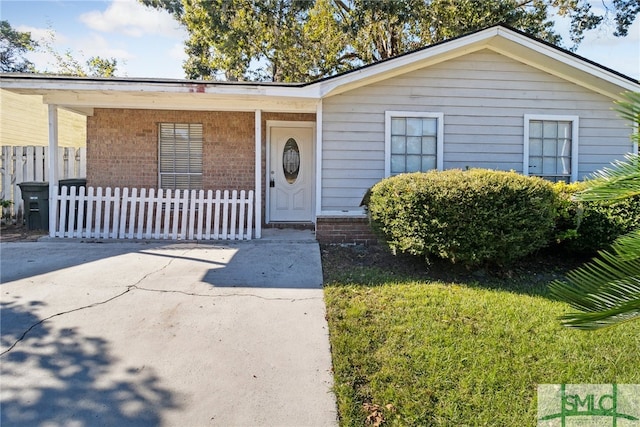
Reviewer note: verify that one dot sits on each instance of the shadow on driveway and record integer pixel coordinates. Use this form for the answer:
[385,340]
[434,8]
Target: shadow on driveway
[20,260]
[289,265]
[59,377]
[164,334]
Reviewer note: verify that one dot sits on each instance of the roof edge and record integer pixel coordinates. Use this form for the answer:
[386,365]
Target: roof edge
[568,52]
[497,27]
[148,80]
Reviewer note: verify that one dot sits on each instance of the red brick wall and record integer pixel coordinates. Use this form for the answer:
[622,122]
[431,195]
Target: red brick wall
[122,147]
[345,230]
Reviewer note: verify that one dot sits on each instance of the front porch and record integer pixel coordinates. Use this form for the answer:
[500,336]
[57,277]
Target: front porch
[124,198]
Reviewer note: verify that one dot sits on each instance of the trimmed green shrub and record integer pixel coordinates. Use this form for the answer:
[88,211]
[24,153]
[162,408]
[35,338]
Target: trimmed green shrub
[586,227]
[470,217]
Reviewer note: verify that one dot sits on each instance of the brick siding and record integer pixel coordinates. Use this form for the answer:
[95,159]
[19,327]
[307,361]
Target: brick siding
[354,230]
[122,147]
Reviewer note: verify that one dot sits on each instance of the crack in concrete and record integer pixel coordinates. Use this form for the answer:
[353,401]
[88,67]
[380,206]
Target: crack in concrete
[227,295]
[135,286]
[95,304]
[22,337]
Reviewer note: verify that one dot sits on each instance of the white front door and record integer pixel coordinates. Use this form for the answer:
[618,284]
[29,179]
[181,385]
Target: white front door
[290,173]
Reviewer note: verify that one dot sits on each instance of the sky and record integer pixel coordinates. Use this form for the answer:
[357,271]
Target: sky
[150,43]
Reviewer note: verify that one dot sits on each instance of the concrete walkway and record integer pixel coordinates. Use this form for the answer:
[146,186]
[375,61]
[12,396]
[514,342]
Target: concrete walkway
[165,334]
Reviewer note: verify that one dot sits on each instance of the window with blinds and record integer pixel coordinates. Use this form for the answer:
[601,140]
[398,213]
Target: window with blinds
[180,156]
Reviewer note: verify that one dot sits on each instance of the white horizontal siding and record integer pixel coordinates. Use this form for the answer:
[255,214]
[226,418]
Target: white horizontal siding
[484,97]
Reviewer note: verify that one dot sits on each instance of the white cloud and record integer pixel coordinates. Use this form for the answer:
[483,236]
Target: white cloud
[96,45]
[81,49]
[133,19]
[43,34]
[177,52]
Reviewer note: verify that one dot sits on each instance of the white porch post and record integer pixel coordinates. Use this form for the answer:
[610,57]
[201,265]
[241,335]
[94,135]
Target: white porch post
[258,177]
[318,160]
[53,166]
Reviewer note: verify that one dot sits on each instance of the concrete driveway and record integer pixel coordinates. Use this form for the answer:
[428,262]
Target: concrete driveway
[164,334]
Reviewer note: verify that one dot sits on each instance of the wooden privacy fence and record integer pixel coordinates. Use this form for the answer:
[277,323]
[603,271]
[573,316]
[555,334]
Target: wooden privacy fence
[31,163]
[141,214]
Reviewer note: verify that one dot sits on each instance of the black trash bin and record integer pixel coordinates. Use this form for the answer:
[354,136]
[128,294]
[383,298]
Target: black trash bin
[36,204]
[74,182]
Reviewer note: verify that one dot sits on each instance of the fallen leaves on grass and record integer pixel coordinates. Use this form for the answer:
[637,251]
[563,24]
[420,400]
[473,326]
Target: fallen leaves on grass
[375,413]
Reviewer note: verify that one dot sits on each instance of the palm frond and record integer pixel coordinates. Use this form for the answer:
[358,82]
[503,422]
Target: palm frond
[629,108]
[612,184]
[605,291]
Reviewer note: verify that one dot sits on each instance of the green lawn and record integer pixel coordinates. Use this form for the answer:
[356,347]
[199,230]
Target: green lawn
[420,352]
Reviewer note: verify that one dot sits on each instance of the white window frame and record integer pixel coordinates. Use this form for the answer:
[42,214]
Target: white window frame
[575,127]
[388,115]
[160,173]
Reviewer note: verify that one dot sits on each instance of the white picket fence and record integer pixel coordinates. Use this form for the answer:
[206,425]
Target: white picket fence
[141,214]
[30,164]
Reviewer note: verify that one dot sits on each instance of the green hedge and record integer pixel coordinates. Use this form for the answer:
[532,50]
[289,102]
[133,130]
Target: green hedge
[470,217]
[586,227]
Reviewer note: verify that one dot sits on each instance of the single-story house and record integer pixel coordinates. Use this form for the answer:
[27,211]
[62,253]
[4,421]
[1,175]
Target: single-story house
[496,99]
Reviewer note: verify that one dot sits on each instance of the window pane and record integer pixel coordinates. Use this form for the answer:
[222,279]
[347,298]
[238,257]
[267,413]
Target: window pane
[414,127]
[550,129]
[398,144]
[182,133]
[167,181]
[535,165]
[414,163]
[564,166]
[564,129]
[181,166]
[397,164]
[549,147]
[195,182]
[398,127]
[182,182]
[429,145]
[414,145]
[549,165]
[564,147]
[429,127]
[428,163]
[535,129]
[535,147]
